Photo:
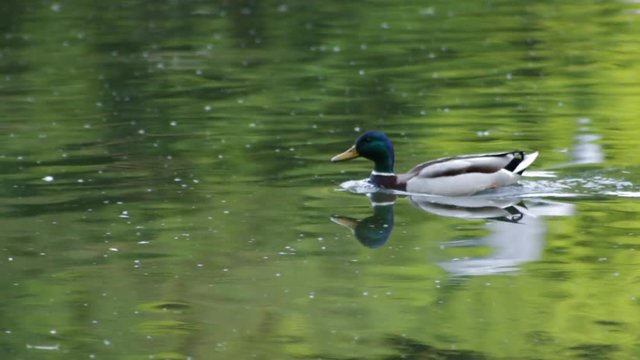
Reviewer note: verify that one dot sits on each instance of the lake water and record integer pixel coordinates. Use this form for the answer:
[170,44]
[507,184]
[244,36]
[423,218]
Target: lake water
[166,190]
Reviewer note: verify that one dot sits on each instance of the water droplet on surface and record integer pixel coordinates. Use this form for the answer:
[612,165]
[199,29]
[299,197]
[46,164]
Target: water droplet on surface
[48,178]
[427,11]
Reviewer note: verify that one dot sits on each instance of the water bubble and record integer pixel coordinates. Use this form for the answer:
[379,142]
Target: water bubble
[48,178]
[427,11]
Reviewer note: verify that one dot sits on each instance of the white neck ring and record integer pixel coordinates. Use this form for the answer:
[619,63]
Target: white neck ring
[382,173]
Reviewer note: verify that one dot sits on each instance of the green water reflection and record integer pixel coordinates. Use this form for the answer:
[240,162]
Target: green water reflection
[166,190]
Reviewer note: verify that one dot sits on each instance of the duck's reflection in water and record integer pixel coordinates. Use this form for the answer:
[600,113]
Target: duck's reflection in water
[516,228]
[372,231]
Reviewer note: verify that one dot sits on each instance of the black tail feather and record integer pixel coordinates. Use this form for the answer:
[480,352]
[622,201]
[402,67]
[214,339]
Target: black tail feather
[518,156]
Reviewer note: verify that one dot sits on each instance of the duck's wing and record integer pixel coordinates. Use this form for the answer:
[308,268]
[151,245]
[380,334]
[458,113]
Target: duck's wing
[514,161]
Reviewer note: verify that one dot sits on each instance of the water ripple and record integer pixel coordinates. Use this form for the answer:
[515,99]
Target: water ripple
[541,184]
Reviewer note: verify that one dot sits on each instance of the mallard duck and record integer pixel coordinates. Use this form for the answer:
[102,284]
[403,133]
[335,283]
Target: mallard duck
[453,176]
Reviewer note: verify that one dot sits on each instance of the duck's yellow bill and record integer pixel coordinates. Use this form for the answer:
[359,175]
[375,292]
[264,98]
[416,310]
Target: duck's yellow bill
[347,155]
[345,221]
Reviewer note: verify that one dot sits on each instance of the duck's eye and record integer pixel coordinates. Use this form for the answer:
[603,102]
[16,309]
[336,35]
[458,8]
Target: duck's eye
[368,139]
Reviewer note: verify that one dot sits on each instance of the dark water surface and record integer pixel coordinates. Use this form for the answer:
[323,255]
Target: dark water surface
[165,189]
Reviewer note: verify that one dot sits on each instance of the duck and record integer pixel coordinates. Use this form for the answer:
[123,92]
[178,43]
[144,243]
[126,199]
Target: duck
[461,175]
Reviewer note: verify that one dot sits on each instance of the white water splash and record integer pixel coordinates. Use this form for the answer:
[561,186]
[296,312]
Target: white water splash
[359,186]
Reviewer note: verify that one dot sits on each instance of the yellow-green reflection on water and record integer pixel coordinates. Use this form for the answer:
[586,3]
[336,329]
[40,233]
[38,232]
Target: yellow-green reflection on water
[166,191]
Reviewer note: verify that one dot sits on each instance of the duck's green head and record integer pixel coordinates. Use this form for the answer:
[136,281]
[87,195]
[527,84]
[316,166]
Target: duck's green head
[374,146]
